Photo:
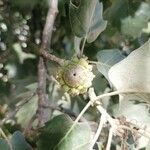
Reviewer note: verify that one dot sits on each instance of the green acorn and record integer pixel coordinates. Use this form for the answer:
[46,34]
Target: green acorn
[75,76]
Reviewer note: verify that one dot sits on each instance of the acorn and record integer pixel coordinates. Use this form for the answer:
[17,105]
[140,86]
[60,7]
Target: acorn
[75,76]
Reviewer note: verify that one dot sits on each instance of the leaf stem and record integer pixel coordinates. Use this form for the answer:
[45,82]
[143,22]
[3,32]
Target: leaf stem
[102,121]
[131,91]
[145,134]
[82,112]
[98,62]
[83,45]
[110,136]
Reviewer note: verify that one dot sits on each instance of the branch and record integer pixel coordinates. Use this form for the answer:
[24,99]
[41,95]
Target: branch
[102,121]
[130,91]
[51,57]
[48,28]
[110,136]
[46,38]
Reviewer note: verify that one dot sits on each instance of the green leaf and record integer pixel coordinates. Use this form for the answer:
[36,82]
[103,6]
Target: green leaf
[86,19]
[4,145]
[106,59]
[18,142]
[27,111]
[58,135]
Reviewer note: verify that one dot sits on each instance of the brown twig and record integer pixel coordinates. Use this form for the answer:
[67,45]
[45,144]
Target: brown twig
[46,40]
[52,57]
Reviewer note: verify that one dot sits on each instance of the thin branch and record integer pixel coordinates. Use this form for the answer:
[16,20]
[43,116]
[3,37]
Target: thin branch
[48,28]
[83,45]
[46,38]
[130,91]
[52,57]
[107,116]
[97,134]
[145,134]
[82,112]
[110,136]
[98,62]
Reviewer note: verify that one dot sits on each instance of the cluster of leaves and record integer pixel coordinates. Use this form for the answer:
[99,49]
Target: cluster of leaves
[124,28]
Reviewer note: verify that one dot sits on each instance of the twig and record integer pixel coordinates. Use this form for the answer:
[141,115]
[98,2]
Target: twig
[110,136]
[98,62]
[41,90]
[48,28]
[102,121]
[52,57]
[107,116]
[83,45]
[46,38]
[136,131]
[130,91]
[82,112]
[64,110]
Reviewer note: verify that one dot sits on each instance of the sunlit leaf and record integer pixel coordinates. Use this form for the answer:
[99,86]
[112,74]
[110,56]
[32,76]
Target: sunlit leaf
[133,72]
[56,135]
[86,19]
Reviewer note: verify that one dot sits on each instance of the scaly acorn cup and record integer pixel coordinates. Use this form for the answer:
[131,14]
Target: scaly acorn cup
[75,76]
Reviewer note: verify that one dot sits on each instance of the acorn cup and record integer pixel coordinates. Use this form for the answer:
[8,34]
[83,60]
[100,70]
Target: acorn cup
[75,76]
